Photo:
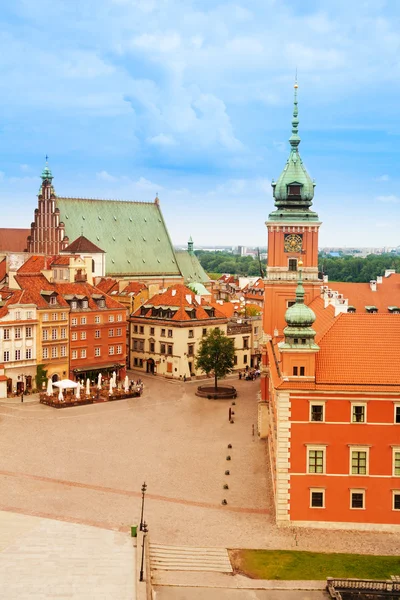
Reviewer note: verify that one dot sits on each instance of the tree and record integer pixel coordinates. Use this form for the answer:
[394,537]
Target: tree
[216,355]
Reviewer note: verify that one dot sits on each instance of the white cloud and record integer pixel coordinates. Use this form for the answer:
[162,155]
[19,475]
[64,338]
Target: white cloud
[162,140]
[391,199]
[105,176]
[383,178]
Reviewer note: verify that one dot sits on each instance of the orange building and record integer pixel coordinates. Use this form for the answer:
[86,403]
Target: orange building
[330,384]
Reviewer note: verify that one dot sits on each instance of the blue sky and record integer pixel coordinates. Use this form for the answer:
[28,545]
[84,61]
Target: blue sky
[193,100]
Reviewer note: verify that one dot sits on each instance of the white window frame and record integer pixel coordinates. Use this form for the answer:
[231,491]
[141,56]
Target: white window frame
[318,448]
[29,314]
[362,404]
[63,316]
[97,351]
[111,318]
[83,335]
[83,352]
[357,491]
[28,332]
[83,320]
[396,407]
[119,318]
[54,316]
[63,333]
[18,354]
[74,354]
[111,333]
[111,350]
[28,353]
[45,335]
[97,334]
[74,336]
[53,300]
[54,333]
[63,351]
[45,353]
[18,333]
[395,450]
[45,316]
[119,331]
[97,319]
[74,321]
[395,493]
[6,356]
[359,449]
[54,352]
[6,333]
[119,349]
[317,403]
[318,491]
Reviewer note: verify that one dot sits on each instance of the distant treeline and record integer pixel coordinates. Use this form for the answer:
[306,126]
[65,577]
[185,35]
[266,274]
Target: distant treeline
[340,268]
[356,269]
[225,262]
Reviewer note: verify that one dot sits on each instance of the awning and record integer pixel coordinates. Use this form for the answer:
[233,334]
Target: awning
[98,367]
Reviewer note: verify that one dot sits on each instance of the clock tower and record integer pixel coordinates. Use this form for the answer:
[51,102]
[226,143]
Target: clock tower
[292,237]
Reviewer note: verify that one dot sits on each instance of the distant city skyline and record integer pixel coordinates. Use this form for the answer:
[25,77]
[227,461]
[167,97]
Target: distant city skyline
[130,98]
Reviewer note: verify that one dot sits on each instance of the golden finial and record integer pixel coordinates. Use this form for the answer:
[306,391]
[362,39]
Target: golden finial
[300,263]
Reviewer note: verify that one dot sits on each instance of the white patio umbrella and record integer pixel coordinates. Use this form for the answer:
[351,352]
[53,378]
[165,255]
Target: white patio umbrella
[66,384]
[60,395]
[88,386]
[78,391]
[111,387]
[99,382]
[126,384]
[49,390]
[114,376]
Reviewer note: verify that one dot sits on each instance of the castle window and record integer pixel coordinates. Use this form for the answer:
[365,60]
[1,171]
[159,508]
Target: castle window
[295,341]
[317,412]
[396,500]
[302,371]
[294,190]
[357,499]
[295,371]
[317,499]
[292,264]
[303,340]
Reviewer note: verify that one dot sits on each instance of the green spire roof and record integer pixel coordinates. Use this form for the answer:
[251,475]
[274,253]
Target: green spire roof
[299,317]
[294,189]
[46,173]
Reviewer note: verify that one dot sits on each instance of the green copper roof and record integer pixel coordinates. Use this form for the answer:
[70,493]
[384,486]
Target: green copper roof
[46,173]
[290,204]
[133,234]
[299,315]
[190,267]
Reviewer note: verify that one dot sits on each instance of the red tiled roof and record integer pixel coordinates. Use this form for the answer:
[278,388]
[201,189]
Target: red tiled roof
[360,349]
[226,308]
[13,240]
[325,317]
[36,283]
[3,269]
[181,297]
[360,295]
[17,297]
[134,287]
[82,244]
[107,285]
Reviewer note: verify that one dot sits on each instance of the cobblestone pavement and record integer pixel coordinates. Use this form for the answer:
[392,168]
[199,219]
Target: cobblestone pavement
[87,464]
[42,559]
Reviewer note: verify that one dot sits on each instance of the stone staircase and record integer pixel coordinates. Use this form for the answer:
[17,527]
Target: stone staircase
[184,558]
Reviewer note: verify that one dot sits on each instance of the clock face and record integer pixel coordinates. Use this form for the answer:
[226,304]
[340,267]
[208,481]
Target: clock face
[293,242]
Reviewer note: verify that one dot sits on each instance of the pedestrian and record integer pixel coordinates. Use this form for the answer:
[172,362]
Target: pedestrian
[240,374]
[22,396]
[184,379]
[230,414]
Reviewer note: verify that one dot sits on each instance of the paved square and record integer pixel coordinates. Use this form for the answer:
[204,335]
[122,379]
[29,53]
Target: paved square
[87,464]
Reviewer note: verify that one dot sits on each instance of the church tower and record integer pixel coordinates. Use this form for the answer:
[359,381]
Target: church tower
[47,232]
[292,237]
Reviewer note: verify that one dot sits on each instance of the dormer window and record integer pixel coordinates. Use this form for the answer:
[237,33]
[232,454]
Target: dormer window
[74,304]
[294,189]
[85,304]
[53,300]
[371,309]
[351,309]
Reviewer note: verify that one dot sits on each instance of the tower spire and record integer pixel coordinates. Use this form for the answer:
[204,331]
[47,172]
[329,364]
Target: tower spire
[294,138]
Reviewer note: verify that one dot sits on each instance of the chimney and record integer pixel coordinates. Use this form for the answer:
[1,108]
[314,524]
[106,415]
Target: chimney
[389,272]
[379,279]
[174,292]
[372,285]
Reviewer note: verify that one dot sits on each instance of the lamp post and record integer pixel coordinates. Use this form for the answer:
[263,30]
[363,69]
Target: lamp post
[145,530]
[144,488]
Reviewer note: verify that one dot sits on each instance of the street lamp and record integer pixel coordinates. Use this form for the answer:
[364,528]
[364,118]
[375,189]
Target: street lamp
[145,530]
[144,488]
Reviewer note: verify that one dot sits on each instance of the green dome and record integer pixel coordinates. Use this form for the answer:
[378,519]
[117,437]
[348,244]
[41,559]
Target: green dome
[299,315]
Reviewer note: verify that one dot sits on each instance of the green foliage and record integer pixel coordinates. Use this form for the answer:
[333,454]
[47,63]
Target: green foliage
[216,354]
[225,262]
[41,376]
[356,269]
[252,311]
[291,564]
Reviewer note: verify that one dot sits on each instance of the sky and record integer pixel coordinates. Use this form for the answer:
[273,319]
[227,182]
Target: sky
[192,99]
